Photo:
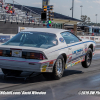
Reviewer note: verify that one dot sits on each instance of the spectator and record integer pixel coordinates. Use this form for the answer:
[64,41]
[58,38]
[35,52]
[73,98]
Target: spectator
[9,11]
[13,10]
[10,7]
[27,13]
[7,7]
[32,18]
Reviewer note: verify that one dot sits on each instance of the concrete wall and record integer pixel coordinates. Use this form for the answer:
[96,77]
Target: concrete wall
[12,28]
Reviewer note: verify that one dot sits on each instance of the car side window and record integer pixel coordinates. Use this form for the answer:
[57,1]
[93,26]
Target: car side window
[69,37]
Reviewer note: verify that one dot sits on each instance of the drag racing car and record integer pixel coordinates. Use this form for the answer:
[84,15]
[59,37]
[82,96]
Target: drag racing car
[46,50]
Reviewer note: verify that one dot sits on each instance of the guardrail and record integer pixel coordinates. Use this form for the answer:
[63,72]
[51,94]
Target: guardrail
[94,38]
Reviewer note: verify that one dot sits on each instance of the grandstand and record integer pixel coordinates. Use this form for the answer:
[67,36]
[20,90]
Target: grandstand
[19,15]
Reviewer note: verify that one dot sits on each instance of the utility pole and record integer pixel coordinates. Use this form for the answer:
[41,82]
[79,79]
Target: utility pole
[96,18]
[72,7]
[81,9]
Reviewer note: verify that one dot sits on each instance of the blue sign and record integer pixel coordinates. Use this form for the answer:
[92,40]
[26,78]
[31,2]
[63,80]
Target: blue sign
[48,7]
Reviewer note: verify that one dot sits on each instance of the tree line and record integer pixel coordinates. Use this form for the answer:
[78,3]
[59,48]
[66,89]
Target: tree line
[87,21]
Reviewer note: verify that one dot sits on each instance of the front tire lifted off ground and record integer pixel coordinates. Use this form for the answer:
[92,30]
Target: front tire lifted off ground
[88,59]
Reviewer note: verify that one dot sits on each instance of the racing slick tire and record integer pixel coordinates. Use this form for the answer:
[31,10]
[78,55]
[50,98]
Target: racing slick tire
[58,69]
[88,59]
[10,72]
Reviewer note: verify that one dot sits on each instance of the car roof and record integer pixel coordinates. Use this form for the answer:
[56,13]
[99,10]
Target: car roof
[48,30]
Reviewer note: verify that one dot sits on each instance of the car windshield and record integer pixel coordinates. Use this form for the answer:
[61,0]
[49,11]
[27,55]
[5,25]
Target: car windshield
[33,39]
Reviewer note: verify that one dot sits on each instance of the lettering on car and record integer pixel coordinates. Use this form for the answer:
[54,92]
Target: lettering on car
[77,52]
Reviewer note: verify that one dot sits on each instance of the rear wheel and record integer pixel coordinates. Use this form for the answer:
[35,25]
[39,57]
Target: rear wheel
[10,72]
[58,69]
[88,59]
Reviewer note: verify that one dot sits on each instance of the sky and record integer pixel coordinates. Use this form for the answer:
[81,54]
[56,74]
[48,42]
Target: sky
[90,7]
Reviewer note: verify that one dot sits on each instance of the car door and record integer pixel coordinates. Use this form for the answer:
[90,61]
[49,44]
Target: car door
[75,46]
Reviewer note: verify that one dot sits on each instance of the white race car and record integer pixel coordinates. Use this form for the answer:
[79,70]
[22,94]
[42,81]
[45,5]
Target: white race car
[45,50]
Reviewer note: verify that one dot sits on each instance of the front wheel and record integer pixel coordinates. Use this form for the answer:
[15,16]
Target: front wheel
[88,59]
[58,69]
